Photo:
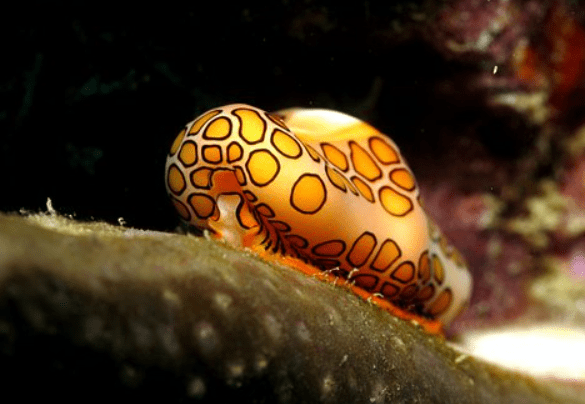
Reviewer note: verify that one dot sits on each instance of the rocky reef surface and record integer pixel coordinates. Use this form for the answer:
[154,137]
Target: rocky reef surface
[91,309]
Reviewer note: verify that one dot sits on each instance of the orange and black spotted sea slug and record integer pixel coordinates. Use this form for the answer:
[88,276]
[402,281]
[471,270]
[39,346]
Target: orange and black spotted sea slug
[323,187]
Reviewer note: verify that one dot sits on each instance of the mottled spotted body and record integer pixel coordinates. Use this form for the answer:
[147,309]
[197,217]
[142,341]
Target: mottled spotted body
[321,186]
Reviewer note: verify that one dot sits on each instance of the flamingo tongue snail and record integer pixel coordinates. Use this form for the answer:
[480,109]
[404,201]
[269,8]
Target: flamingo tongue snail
[321,186]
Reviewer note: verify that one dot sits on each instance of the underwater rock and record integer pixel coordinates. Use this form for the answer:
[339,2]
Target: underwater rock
[101,311]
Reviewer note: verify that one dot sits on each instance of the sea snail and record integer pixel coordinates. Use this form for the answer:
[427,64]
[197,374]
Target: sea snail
[321,186]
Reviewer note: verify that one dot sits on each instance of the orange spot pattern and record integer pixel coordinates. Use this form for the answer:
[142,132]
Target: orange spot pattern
[349,205]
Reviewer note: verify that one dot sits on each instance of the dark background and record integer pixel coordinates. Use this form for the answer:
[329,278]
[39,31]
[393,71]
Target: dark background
[91,96]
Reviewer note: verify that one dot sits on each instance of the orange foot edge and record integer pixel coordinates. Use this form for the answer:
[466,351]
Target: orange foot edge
[429,325]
